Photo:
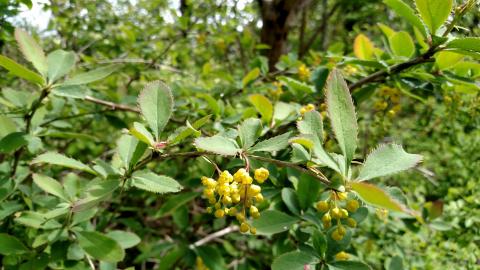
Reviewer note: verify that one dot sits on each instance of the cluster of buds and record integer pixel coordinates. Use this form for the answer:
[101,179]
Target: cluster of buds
[303,72]
[235,195]
[350,70]
[277,91]
[337,208]
[390,99]
[307,108]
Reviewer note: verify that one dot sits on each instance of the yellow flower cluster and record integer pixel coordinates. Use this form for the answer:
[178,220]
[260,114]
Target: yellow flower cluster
[350,70]
[388,96]
[342,256]
[337,208]
[307,108]
[233,195]
[303,72]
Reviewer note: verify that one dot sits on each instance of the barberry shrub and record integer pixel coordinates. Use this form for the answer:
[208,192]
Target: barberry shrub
[277,172]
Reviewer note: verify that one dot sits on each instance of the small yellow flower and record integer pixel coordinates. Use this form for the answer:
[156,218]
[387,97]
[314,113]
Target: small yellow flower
[261,175]
[244,227]
[303,72]
[342,256]
[352,206]
[322,206]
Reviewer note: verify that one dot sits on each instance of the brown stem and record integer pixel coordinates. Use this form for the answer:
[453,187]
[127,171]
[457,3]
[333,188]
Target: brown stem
[113,106]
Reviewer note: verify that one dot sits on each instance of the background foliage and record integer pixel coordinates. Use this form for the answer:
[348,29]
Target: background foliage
[412,69]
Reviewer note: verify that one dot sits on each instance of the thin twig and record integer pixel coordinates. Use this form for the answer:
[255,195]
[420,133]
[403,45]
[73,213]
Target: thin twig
[214,235]
[113,106]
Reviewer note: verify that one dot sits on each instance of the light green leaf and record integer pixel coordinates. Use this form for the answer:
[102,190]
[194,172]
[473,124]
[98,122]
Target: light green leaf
[60,63]
[96,192]
[12,142]
[249,131]
[342,114]
[8,126]
[125,239]
[305,140]
[130,150]
[363,48]
[91,76]
[156,105]
[273,221]
[466,43]
[405,11]
[387,159]
[217,144]
[402,44]
[434,12]
[61,160]
[190,129]
[396,263]
[71,91]
[295,260]
[348,265]
[250,77]
[175,202]
[20,71]
[37,220]
[31,51]
[140,132]
[377,196]
[307,190]
[152,182]
[9,245]
[276,143]
[100,246]
[387,31]
[51,186]
[263,106]
[447,60]
[312,124]
[297,87]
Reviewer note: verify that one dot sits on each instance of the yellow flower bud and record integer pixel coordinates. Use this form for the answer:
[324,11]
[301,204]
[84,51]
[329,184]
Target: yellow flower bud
[341,256]
[232,212]
[322,206]
[342,195]
[209,209]
[208,192]
[326,218]
[218,205]
[239,175]
[351,222]
[247,180]
[341,230]
[352,206]
[212,200]
[240,217]
[235,197]
[336,213]
[219,213]
[244,227]
[336,236]
[344,213]
[261,174]
[327,224]
[254,190]
[226,200]
[253,230]
[259,198]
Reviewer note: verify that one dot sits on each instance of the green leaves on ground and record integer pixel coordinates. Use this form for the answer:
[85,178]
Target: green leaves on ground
[100,246]
[218,144]
[434,12]
[156,104]
[295,260]
[152,182]
[342,114]
[273,221]
[61,160]
[387,159]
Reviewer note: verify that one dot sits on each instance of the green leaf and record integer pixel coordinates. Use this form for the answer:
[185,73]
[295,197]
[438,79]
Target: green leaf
[377,196]
[61,160]
[466,43]
[405,11]
[342,114]
[37,220]
[295,260]
[9,245]
[276,143]
[60,63]
[434,12]
[140,132]
[396,263]
[152,182]
[290,199]
[100,246]
[387,31]
[249,131]
[20,71]
[348,265]
[125,239]
[312,124]
[130,150]
[12,142]
[96,192]
[51,186]
[169,259]
[273,221]
[402,44]
[211,257]
[218,145]
[319,242]
[363,48]
[263,106]
[387,159]
[190,129]
[91,76]
[71,91]
[307,190]
[447,59]
[297,87]
[156,105]
[31,51]
[250,77]
[8,126]
[174,202]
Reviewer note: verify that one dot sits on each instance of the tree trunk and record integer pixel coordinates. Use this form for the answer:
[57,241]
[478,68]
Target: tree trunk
[278,17]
